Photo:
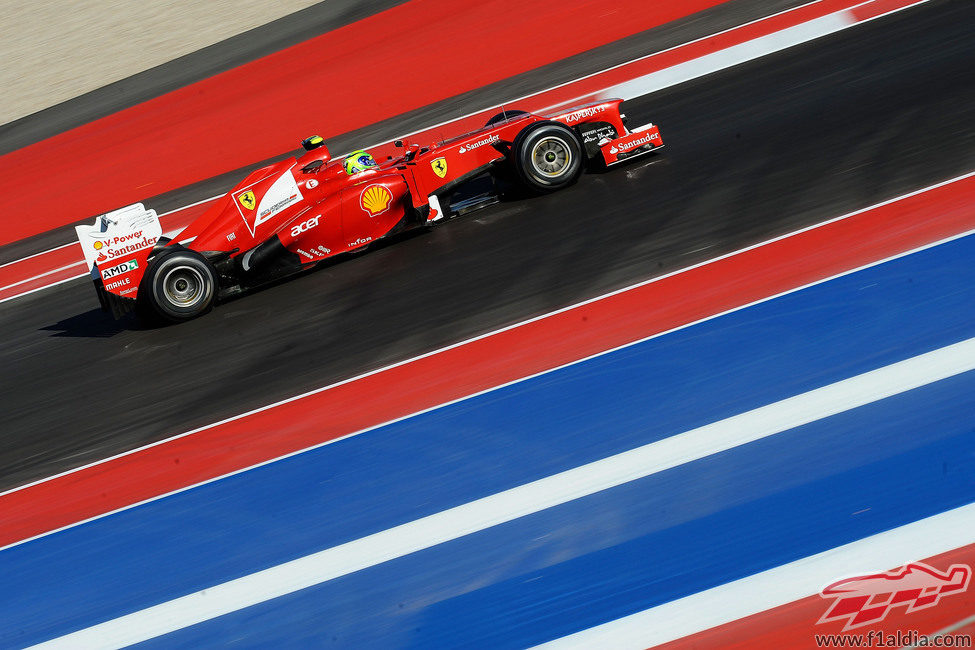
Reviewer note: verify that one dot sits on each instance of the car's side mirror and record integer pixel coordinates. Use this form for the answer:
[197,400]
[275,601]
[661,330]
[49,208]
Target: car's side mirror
[317,142]
[411,154]
[397,143]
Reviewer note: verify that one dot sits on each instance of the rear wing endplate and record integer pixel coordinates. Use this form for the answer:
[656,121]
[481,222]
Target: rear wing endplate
[118,234]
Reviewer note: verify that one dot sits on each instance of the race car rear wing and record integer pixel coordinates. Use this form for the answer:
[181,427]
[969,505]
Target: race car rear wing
[116,248]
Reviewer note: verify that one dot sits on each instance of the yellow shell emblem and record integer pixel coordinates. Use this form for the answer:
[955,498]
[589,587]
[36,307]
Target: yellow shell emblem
[375,199]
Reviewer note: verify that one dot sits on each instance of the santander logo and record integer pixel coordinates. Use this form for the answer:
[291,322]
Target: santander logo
[121,245]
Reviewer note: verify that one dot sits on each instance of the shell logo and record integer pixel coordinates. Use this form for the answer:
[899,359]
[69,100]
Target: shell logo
[97,245]
[375,199]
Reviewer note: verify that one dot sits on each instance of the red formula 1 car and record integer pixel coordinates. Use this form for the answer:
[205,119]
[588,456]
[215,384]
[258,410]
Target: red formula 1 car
[295,213]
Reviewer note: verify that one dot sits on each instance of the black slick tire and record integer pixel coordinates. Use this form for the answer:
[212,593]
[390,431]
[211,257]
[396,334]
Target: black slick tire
[178,286]
[547,156]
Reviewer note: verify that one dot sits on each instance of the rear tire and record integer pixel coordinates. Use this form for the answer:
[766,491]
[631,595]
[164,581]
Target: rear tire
[178,286]
[547,156]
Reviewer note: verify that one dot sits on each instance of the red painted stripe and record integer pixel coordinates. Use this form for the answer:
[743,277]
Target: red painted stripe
[407,57]
[581,93]
[869,10]
[48,279]
[501,357]
[21,270]
[28,267]
[35,272]
[578,91]
[793,625]
[591,87]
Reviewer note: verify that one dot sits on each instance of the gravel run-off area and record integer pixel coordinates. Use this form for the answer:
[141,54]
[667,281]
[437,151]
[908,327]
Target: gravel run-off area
[52,51]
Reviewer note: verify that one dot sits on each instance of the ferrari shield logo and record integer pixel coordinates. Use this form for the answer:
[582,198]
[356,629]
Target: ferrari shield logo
[439,167]
[247,199]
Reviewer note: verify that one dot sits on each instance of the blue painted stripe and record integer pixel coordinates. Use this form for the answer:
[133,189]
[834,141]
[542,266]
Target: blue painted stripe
[647,542]
[404,471]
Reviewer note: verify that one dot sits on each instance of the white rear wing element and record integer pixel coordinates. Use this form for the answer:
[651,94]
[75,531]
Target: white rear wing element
[118,234]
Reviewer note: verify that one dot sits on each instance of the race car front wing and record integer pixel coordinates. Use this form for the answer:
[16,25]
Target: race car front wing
[639,141]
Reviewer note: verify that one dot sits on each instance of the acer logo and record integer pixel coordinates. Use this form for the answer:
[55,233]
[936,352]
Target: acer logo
[307,225]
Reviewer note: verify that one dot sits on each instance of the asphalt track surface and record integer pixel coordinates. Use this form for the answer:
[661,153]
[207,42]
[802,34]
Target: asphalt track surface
[239,50]
[814,132]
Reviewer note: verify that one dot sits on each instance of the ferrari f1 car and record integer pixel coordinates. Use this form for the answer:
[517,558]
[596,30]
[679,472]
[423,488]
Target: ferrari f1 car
[298,212]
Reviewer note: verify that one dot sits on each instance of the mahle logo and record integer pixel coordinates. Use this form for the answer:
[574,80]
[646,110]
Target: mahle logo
[866,599]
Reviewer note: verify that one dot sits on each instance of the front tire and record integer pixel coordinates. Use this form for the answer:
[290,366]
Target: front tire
[178,286]
[547,156]
[504,116]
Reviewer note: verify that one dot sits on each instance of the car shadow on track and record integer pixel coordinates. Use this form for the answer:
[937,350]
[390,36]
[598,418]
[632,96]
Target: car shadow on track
[97,324]
[94,324]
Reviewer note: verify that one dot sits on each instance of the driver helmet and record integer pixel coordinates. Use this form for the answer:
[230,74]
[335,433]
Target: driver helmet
[359,161]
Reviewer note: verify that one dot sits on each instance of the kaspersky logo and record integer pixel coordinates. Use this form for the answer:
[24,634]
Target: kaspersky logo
[867,599]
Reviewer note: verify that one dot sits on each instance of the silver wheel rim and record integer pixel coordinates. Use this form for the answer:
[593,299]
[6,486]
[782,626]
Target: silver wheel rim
[551,157]
[184,286]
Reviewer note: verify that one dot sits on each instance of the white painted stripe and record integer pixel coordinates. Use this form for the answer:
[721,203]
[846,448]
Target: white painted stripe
[783,584]
[43,288]
[526,499]
[75,242]
[67,279]
[484,336]
[731,56]
[738,54]
[191,205]
[849,22]
[50,250]
[45,274]
[540,93]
